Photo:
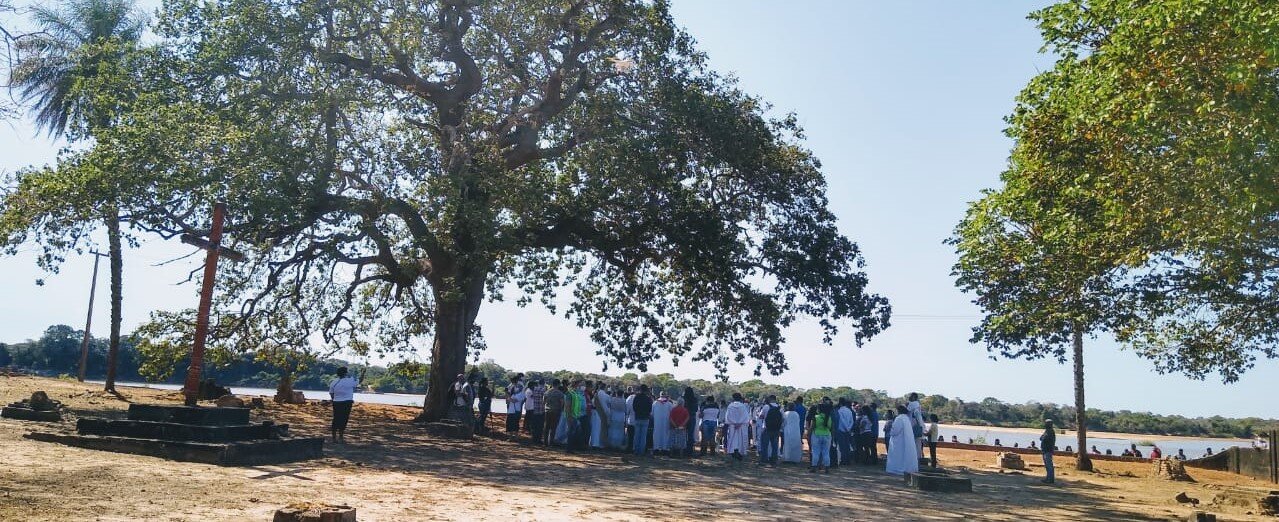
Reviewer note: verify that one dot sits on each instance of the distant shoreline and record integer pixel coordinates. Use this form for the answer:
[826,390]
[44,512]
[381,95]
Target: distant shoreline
[1093,434]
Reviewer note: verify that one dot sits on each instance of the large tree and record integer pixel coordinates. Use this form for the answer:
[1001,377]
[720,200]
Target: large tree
[414,158]
[60,72]
[1181,99]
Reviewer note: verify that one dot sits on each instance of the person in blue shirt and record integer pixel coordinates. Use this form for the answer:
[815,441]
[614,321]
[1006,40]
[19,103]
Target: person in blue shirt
[803,415]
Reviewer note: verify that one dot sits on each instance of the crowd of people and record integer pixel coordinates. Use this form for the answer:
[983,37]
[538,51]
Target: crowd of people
[581,415]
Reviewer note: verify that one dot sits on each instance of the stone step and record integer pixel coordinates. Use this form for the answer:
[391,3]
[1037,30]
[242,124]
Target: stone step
[189,415]
[249,453]
[180,432]
[28,414]
[938,482]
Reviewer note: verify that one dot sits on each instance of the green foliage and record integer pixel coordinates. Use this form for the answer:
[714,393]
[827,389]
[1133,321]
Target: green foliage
[1163,118]
[404,163]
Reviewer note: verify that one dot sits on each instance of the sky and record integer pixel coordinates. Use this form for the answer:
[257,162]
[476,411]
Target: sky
[903,102]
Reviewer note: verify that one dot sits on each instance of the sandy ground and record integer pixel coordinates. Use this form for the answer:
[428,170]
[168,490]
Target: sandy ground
[391,470]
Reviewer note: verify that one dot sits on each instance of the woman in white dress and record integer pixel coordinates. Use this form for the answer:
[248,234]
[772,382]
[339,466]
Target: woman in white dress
[617,420]
[792,442]
[600,417]
[903,457]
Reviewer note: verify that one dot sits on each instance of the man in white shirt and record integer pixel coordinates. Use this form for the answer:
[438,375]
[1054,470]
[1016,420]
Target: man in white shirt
[844,432]
[342,393]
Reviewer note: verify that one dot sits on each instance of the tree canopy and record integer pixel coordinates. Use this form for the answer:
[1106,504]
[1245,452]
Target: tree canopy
[392,165]
[1178,105]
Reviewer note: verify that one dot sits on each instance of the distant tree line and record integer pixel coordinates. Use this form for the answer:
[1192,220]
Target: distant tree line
[57,352]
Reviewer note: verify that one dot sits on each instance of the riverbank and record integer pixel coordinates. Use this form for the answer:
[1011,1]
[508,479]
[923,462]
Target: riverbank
[391,470]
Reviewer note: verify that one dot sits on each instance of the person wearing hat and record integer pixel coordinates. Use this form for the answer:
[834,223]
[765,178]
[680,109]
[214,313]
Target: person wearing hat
[1047,442]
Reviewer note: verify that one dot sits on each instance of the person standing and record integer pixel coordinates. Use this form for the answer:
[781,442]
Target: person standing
[690,404]
[819,439]
[737,420]
[1046,442]
[643,408]
[708,415]
[662,424]
[534,413]
[514,403]
[792,436]
[599,415]
[865,436]
[485,394]
[874,433]
[844,431]
[554,406]
[916,413]
[772,422]
[679,424]
[579,429]
[630,416]
[617,420]
[932,439]
[803,415]
[342,395]
[903,455]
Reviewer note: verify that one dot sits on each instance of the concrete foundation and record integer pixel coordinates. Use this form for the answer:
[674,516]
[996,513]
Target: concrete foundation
[248,453]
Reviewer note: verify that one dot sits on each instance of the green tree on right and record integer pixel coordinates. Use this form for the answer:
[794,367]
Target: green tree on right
[1141,198]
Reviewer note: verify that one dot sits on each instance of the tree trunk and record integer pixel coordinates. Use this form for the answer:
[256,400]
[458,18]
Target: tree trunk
[1083,462]
[117,265]
[454,317]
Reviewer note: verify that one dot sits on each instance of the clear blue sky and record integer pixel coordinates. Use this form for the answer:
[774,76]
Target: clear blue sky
[903,102]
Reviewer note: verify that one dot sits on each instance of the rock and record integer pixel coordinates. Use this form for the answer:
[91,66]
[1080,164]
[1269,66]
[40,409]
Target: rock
[1171,469]
[40,402]
[257,403]
[1200,516]
[311,512]
[210,391]
[1183,498]
[1269,504]
[1009,460]
[230,401]
[293,397]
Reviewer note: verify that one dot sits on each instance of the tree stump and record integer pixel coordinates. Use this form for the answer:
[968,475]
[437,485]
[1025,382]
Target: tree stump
[312,512]
[1171,469]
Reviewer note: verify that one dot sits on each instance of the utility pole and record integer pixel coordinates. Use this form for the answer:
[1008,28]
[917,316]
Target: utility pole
[213,249]
[88,321]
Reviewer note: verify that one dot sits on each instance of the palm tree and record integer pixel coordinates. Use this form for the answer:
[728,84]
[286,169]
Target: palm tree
[77,39]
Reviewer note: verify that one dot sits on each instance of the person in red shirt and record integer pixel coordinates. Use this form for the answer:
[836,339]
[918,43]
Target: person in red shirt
[679,423]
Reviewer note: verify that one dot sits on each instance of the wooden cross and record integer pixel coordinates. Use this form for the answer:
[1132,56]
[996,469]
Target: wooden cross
[214,250]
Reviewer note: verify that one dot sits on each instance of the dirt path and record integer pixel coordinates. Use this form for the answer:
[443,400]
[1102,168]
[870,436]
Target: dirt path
[391,470]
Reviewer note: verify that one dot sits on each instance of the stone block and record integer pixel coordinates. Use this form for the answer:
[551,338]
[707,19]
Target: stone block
[1009,460]
[27,414]
[308,512]
[1200,516]
[939,483]
[230,401]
